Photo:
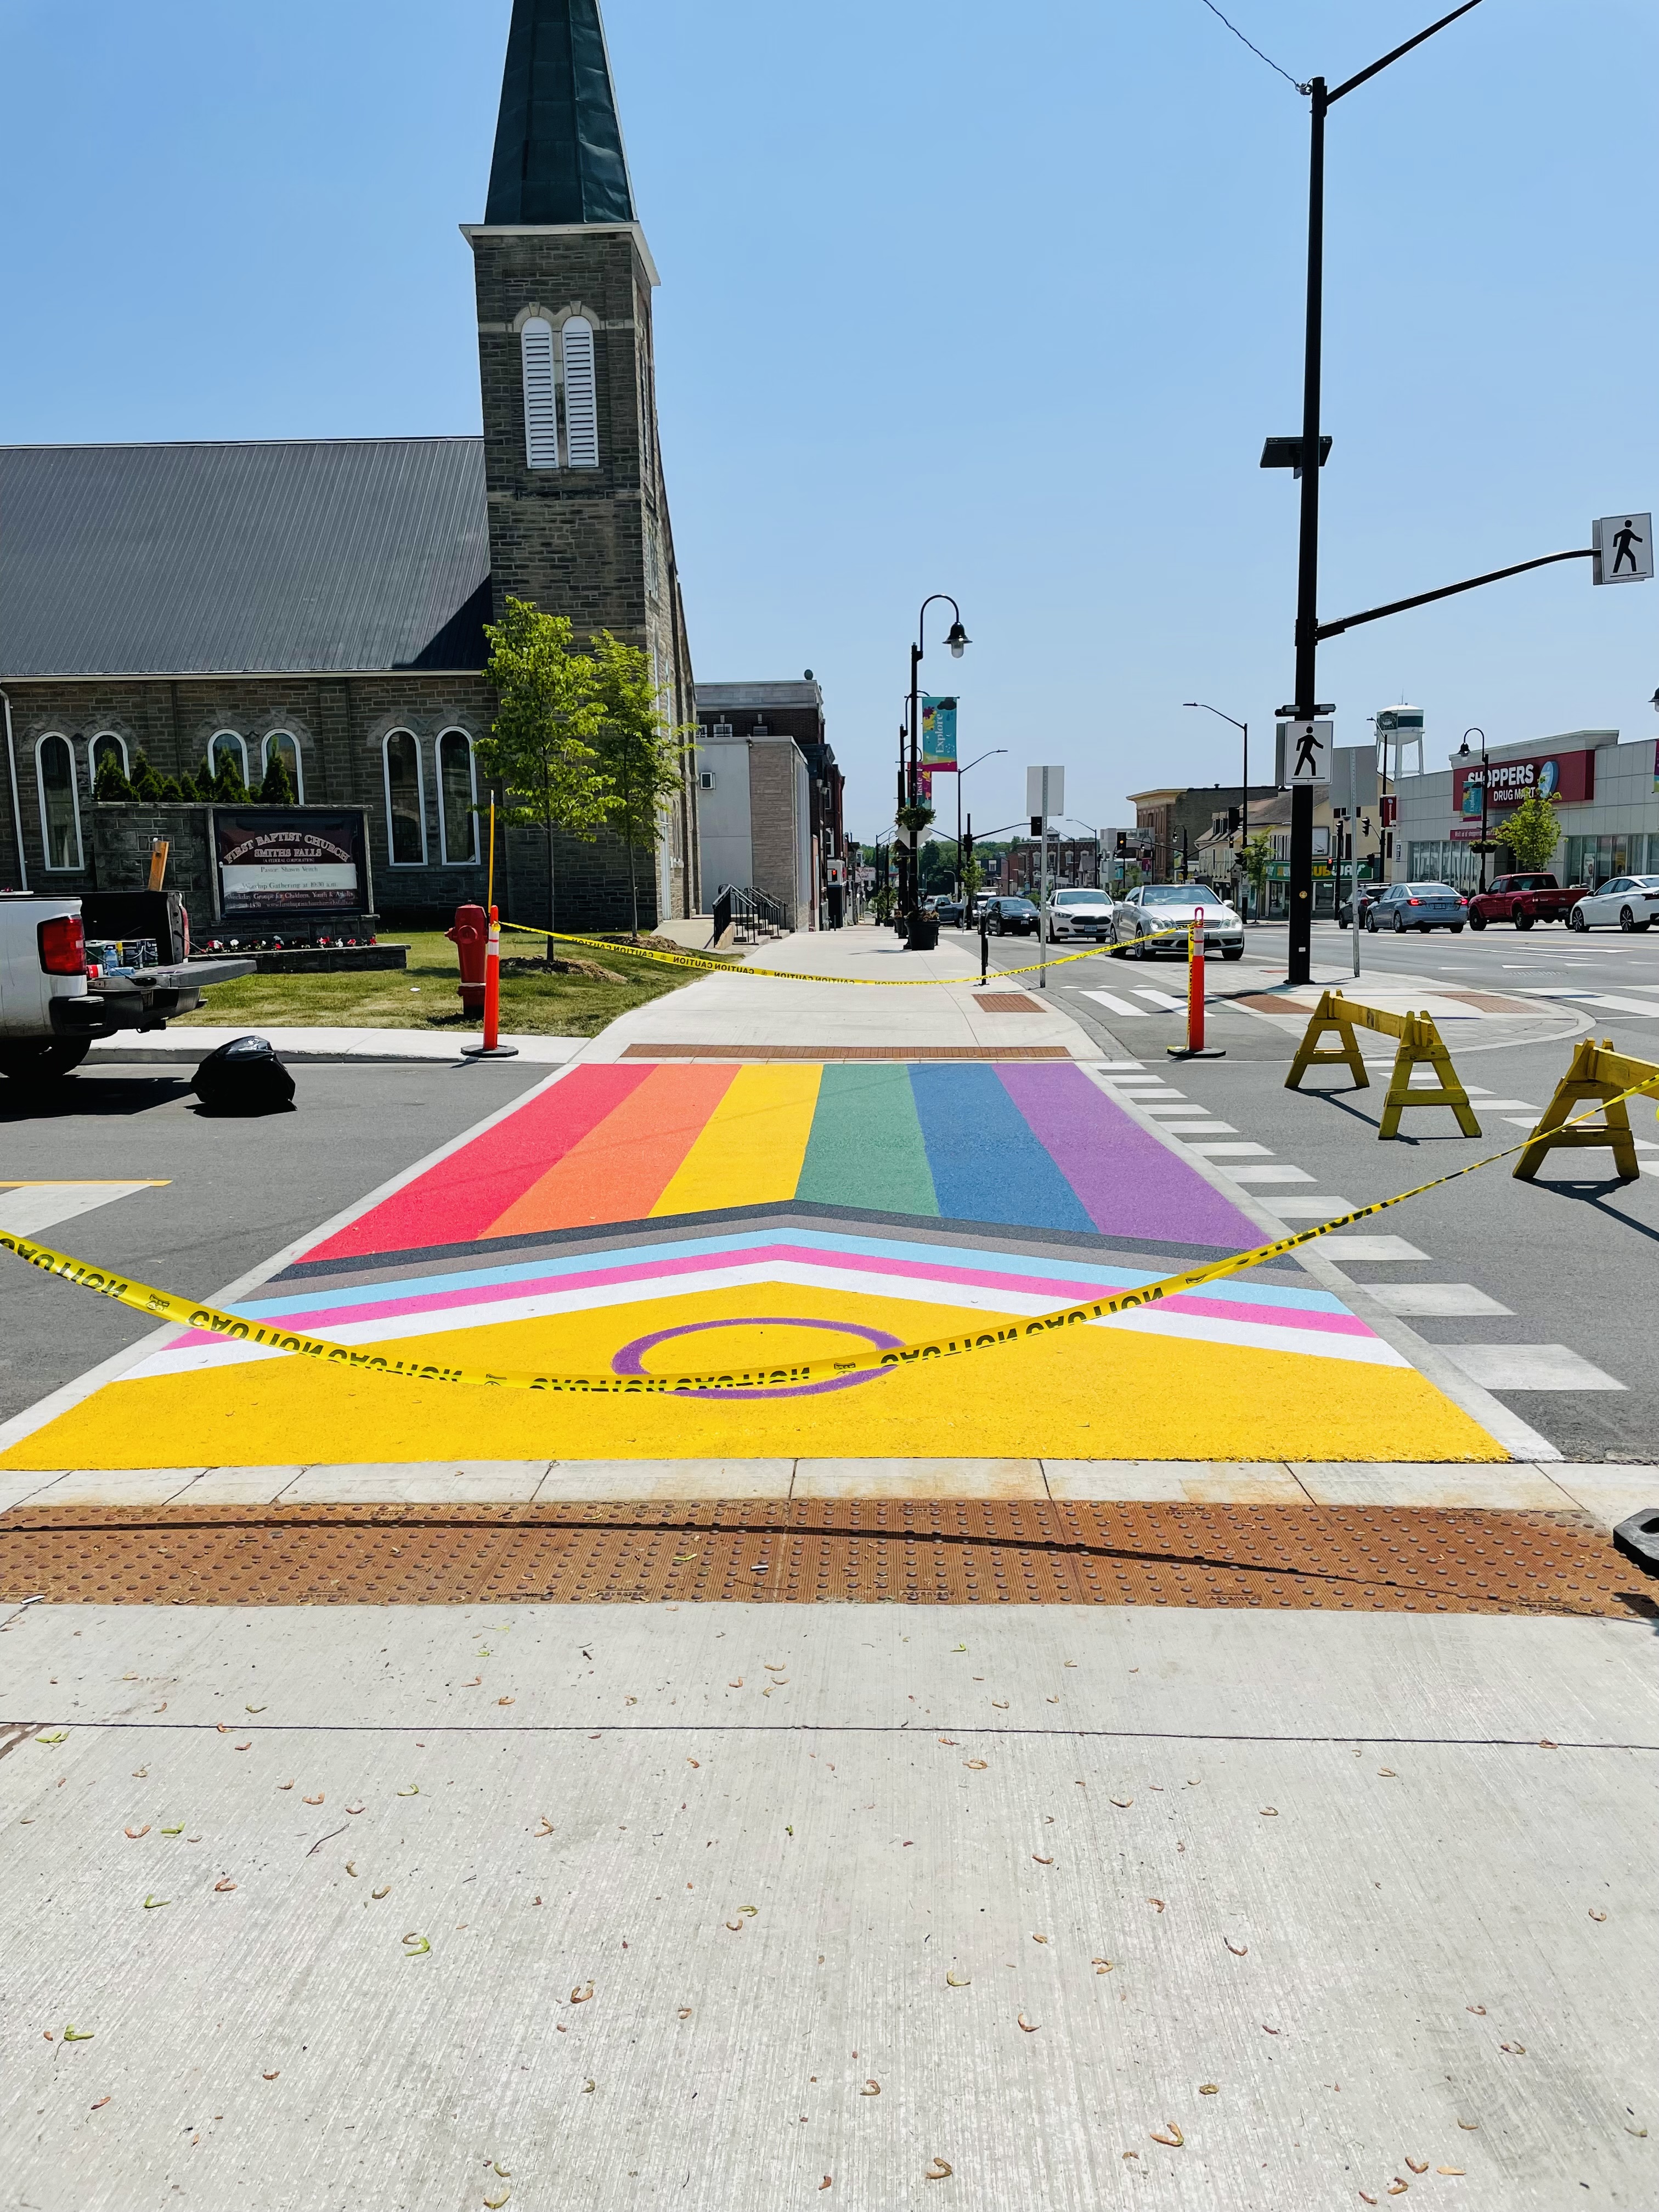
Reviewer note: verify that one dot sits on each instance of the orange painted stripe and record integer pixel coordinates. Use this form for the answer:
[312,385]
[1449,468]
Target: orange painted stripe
[620,1169]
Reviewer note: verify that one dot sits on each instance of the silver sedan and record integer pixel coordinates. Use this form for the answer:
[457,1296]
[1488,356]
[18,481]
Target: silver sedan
[1151,908]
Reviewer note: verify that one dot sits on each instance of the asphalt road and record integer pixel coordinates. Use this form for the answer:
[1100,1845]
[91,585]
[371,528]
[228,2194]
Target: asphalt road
[1566,1261]
[233,1192]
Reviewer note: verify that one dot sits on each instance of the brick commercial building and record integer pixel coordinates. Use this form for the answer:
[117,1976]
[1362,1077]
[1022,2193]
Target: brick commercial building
[1171,822]
[769,794]
[324,600]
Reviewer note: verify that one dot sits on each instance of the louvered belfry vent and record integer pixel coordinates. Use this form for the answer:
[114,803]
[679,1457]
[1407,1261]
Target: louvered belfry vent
[581,411]
[541,420]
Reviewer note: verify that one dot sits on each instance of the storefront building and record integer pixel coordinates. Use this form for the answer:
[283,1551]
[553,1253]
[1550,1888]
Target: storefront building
[1607,794]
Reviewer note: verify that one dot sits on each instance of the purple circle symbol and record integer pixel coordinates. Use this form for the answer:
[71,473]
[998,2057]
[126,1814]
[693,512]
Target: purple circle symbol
[630,1359]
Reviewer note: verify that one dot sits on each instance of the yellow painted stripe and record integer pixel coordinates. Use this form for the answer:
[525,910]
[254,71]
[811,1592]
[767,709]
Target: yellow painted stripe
[751,1151]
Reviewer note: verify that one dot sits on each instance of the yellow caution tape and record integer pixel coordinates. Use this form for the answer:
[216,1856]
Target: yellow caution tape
[863,982]
[163,1305]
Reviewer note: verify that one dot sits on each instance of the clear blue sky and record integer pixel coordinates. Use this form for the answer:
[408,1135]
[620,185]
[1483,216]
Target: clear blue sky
[993,301]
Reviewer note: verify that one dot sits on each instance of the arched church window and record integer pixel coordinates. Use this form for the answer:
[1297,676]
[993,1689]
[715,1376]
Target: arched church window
[281,744]
[107,745]
[60,804]
[405,800]
[541,421]
[226,750]
[457,791]
[581,408]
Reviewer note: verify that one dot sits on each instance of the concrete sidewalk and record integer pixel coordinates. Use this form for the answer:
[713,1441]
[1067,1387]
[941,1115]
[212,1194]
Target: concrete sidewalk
[844,1011]
[610,1907]
[183,1047]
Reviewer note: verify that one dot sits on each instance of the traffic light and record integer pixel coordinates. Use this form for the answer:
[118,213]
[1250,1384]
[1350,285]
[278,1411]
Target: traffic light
[967,845]
[1036,825]
[1232,822]
[1122,844]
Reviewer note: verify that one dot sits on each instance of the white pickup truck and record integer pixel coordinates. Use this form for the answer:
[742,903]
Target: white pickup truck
[54,1004]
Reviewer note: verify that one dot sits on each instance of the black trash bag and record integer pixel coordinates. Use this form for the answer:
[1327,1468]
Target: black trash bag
[244,1077]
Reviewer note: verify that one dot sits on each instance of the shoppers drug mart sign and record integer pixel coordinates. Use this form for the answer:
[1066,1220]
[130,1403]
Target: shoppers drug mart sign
[1569,778]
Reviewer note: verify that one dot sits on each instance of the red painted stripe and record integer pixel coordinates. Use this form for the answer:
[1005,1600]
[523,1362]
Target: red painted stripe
[622,1168]
[459,1197]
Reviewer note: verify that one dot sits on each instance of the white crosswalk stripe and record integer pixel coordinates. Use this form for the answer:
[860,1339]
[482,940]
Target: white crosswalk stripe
[1116,1005]
[1162,998]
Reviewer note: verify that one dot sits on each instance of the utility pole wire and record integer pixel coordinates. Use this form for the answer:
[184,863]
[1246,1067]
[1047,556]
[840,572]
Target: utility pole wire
[1256,49]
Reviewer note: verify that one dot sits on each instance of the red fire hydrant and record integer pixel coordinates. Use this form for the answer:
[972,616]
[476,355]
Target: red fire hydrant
[471,936]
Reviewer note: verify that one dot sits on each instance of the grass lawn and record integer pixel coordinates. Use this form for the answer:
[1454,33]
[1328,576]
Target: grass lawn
[535,1001]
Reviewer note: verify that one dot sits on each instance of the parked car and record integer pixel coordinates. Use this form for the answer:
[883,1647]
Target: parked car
[1009,917]
[1523,900]
[54,1003]
[948,910]
[1625,902]
[1081,913]
[1417,906]
[1151,907]
[1368,898]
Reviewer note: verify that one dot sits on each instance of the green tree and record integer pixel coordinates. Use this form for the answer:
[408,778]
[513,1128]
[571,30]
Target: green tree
[225,787]
[1258,859]
[1533,831]
[539,751]
[187,790]
[277,788]
[642,757]
[147,781]
[111,782]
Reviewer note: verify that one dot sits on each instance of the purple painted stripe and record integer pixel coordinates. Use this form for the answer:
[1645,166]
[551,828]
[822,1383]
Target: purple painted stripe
[1129,1184]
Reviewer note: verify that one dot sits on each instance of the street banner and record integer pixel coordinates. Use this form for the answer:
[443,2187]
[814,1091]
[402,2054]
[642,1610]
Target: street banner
[939,733]
[924,787]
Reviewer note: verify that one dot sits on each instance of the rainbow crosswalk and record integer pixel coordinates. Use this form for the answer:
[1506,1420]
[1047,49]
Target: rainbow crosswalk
[627,1216]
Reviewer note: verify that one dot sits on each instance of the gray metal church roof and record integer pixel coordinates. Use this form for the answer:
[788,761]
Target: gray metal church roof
[307,557]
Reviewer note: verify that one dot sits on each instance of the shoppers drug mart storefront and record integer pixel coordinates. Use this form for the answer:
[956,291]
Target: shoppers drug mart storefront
[1607,794]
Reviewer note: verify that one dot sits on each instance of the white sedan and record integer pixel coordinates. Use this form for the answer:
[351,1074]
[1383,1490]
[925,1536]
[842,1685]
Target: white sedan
[1153,908]
[1081,913]
[1625,902]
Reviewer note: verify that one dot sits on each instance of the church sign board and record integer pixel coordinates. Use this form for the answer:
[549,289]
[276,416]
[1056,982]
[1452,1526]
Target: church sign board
[290,861]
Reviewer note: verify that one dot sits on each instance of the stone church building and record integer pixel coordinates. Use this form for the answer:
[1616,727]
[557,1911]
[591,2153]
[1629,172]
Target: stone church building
[323,600]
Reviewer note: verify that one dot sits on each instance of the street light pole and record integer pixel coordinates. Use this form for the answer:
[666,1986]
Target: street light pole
[1464,750]
[961,772]
[957,638]
[1244,728]
[1305,707]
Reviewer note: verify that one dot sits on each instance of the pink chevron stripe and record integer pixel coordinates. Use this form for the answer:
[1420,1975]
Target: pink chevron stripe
[665,1269]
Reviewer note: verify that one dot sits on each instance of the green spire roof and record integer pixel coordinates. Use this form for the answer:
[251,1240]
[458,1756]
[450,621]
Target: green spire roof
[559,153]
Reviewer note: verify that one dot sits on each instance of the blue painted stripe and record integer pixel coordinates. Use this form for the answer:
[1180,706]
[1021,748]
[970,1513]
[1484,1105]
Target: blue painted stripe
[1248,1290]
[987,1164]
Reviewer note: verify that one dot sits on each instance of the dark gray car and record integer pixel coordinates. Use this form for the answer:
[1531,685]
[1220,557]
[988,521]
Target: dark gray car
[1417,906]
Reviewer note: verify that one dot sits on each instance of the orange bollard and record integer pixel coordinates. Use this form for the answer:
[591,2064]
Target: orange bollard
[1195,1047]
[492,1047]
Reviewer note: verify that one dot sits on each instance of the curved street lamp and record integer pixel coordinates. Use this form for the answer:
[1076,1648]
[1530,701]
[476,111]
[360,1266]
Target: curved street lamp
[958,641]
[1483,848]
[1244,788]
[961,772]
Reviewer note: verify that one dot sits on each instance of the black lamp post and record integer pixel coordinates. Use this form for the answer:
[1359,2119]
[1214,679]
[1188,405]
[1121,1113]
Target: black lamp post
[1483,848]
[1307,455]
[958,639]
[1244,728]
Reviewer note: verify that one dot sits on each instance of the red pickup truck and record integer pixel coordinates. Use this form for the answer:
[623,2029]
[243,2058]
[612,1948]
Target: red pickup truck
[1523,900]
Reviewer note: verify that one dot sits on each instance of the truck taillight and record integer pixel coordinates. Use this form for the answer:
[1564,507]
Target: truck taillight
[62,944]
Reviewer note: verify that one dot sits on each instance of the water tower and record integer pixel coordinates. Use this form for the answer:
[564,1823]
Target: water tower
[1399,730]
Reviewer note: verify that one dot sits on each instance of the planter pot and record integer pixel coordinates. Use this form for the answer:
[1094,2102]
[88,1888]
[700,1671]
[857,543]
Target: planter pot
[922,934]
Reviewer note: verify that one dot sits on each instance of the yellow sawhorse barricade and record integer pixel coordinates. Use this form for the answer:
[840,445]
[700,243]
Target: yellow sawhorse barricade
[1596,1072]
[1420,1043]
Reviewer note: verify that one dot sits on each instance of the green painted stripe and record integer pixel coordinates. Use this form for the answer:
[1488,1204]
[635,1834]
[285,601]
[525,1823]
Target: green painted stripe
[866,1148]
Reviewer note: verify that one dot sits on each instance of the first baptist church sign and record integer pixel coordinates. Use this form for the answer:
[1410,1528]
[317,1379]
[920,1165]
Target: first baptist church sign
[1569,778]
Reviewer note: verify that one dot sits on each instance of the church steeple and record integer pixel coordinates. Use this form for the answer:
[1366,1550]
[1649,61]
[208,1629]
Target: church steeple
[559,156]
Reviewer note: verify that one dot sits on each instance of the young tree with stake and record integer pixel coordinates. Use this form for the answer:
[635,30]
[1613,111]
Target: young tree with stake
[640,756]
[539,750]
